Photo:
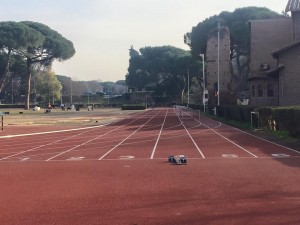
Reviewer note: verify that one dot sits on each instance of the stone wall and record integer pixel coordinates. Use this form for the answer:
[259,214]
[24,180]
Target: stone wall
[225,75]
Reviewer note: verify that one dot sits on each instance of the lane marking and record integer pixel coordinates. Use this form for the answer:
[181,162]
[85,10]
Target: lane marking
[126,157]
[279,155]
[233,142]
[229,156]
[76,158]
[50,132]
[271,142]
[227,138]
[199,150]
[157,140]
[127,137]
[38,147]
[71,149]
[24,159]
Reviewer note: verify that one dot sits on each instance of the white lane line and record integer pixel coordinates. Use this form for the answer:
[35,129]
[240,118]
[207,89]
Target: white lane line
[287,148]
[157,140]
[199,150]
[233,143]
[230,141]
[77,146]
[226,138]
[50,132]
[40,146]
[126,138]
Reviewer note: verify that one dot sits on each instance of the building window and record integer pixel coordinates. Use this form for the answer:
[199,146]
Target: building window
[259,91]
[270,90]
[253,91]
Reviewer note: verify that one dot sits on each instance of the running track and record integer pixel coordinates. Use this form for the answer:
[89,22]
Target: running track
[118,174]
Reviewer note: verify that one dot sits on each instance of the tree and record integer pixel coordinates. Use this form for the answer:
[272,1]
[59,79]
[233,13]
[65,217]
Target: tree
[47,85]
[163,69]
[238,24]
[15,36]
[38,44]
[54,46]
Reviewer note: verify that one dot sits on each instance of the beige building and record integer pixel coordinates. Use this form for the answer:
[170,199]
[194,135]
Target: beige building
[275,54]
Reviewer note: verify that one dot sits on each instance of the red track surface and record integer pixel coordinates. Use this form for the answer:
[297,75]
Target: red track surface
[118,175]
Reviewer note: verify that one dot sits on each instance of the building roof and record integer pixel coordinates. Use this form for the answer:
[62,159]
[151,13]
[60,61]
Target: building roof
[293,5]
[285,49]
[274,72]
[268,74]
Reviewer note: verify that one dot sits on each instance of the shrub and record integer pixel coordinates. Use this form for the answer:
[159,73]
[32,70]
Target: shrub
[133,107]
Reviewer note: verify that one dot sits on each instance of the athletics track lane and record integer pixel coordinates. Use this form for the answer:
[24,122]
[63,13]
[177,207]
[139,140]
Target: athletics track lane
[214,190]
[154,134]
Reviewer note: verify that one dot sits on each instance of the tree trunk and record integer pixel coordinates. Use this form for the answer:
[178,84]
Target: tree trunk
[28,76]
[4,76]
[183,90]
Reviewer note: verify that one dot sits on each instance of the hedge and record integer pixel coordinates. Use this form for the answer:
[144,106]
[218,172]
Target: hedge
[281,118]
[133,107]
[237,113]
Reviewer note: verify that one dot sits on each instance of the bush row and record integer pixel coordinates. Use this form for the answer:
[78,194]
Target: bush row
[237,113]
[281,118]
[273,118]
[133,107]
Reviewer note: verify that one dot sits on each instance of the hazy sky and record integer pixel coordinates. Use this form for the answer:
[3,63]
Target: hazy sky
[102,31]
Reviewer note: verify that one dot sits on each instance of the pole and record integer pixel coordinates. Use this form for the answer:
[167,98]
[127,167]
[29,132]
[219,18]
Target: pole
[219,28]
[203,76]
[188,87]
[12,91]
[71,99]
[52,96]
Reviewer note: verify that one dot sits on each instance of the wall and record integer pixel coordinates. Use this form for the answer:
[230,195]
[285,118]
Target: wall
[289,78]
[266,37]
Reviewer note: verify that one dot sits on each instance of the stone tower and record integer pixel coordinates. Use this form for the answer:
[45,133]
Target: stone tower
[293,6]
[225,76]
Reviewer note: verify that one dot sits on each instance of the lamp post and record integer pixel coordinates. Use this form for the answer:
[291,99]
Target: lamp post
[218,29]
[71,94]
[203,76]
[188,87]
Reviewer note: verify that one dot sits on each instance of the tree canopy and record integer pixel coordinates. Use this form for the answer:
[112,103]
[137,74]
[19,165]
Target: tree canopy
[14,37]
[163,70]
[238,25]
[47,85]
[237,22]
[36,43]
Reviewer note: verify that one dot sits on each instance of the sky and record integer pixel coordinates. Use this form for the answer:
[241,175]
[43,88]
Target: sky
[103,31]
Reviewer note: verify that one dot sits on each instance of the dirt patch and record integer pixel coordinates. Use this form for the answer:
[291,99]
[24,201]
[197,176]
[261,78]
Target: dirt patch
[60,117]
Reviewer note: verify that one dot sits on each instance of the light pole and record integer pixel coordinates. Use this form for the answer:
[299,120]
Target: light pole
[71,94]
[188,87]
[218,29]
[203,76]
